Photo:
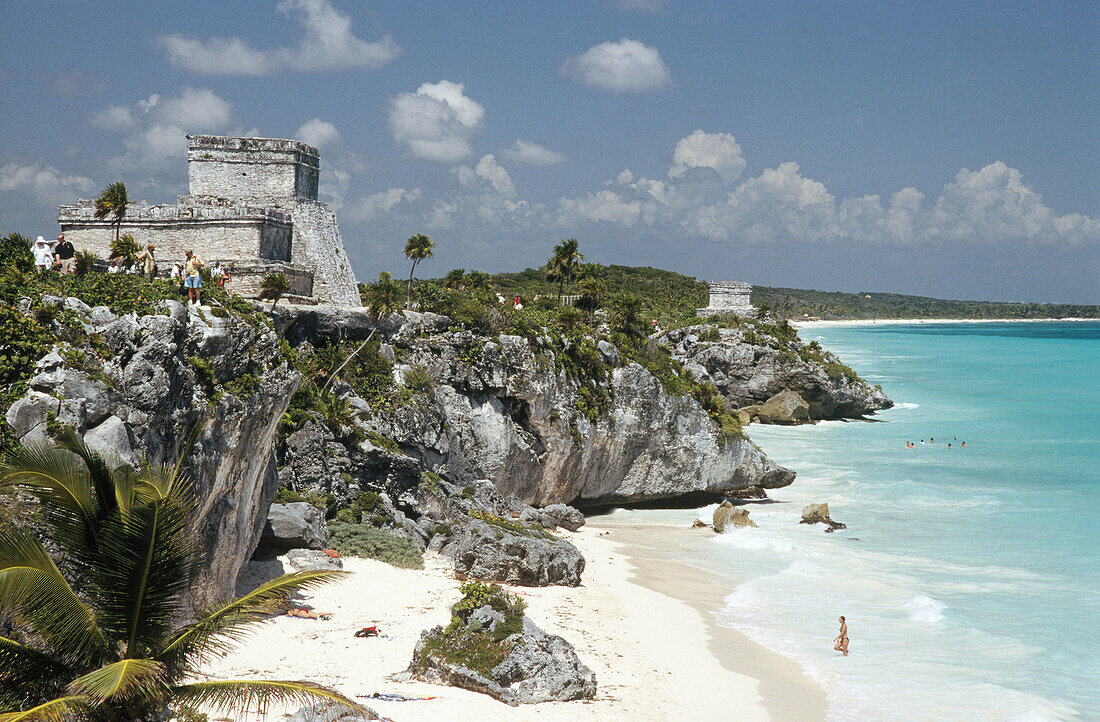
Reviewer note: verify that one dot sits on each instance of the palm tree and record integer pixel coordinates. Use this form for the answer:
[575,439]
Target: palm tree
[564,264]
[101,641]
[477,281]
[113,200]
[273,286]
[125,248]
[382,297]
[417,248]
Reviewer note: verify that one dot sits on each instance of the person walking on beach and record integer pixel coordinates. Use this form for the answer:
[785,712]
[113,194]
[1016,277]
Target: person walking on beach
[191,278]
[842,638]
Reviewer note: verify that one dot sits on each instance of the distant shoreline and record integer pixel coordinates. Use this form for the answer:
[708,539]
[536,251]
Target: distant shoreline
[915,321]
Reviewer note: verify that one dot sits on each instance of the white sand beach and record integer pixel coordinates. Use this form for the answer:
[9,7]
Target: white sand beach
[654,656]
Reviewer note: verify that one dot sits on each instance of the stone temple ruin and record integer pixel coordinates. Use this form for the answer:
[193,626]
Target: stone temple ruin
[252,205]
[728,297]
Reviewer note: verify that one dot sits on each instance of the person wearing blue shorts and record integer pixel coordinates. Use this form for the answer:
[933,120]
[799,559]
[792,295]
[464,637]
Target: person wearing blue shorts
[192,280]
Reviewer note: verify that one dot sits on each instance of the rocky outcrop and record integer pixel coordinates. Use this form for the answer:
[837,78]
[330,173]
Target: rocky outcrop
[137,386]
[501,410]
[729,515]
[307,560]
[786,407]
[492,548]
[298,525]
[751,368]
[554,516]
[819,513]
[539,667]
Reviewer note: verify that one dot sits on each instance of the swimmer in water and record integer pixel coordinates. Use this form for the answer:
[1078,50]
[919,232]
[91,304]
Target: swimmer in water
[964,443]
[842,638]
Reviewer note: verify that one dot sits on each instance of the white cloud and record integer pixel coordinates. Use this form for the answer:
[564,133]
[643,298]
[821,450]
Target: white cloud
[113,117]
[327,43]
[156,127]
[625,66]
[993,205]
[488,169]
[45,183]
[376,204]
[524,151]
[437,122]
[718,151]
[603,205]
[317,132]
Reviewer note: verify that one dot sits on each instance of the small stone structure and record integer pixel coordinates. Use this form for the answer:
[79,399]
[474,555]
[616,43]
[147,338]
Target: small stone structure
[252,206]
[728,297]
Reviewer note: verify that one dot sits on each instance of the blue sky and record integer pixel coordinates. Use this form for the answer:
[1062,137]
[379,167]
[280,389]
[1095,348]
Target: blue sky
[947,149]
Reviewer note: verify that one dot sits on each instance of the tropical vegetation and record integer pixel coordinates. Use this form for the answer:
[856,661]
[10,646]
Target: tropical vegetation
[113,201]
[274,286]
[417,248]
[95,625]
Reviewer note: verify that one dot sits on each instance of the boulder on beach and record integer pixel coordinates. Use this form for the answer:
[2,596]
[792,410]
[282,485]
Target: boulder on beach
[495,549]
[729,515]
[814,513]
[297,525]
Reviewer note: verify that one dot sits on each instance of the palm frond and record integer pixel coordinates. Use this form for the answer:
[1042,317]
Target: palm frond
[240,695]
[32,588]
[98,472]
[62,709]
[61,481]
[222,626]
[127,680]
[147,562]
[35,674]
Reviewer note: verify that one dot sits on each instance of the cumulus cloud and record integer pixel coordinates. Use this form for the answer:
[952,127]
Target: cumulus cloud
[625,66]
[717,151]
[437,122]
[327,43]
[486,196]
[44,183]
[374,205]
[524,151]
[317,132]
[156,127]
[781,205]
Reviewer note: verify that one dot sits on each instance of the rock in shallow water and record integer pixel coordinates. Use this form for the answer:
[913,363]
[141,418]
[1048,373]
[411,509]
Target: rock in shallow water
[814,513]
[729,515]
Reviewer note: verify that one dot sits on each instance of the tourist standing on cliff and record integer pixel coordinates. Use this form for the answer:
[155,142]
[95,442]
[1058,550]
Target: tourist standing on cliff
[43,255]
[148,262]
[191,277]
[65,255]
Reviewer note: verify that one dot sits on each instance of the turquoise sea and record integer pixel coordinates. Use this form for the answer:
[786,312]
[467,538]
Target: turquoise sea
[970,577]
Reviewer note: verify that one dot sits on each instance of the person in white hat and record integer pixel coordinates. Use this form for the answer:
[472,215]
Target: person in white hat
[43,255]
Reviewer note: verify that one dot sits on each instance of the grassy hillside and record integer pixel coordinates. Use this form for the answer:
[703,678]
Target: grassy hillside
[796,303]
[673,297]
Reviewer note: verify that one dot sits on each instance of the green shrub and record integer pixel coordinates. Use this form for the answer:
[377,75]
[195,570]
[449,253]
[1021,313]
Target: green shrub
[368,542]
[418,380]
[242,386]
[466,642]
[15,252]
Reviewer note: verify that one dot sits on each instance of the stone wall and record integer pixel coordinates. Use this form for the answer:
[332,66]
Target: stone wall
[248,274]
[215,233]
[227,167]
[728,297]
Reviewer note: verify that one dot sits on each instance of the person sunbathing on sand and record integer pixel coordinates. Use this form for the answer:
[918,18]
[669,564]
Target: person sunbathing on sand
[307,613]
[842,638]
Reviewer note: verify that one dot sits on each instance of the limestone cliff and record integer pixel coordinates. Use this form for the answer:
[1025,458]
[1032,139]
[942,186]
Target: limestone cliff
[134,386]
[751,363]
[502,408]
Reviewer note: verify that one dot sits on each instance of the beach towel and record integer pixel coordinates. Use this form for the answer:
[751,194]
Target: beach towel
[387,697]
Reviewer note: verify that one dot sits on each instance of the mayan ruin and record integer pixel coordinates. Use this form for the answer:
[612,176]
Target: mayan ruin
[252,205]
[728,297]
